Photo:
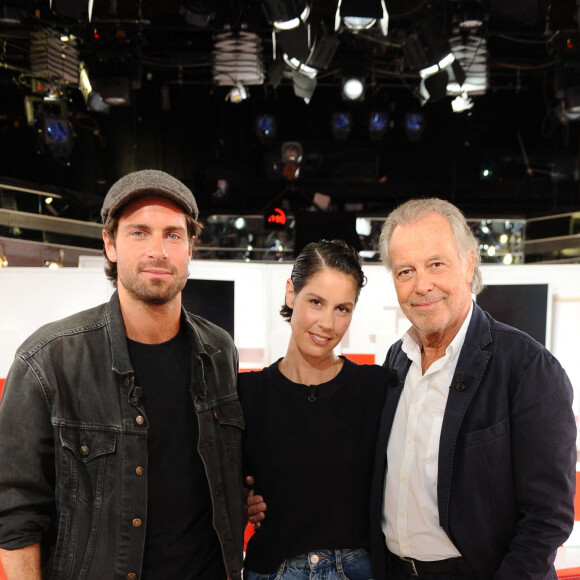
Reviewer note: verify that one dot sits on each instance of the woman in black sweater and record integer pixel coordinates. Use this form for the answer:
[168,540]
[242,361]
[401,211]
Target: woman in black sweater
[311,423]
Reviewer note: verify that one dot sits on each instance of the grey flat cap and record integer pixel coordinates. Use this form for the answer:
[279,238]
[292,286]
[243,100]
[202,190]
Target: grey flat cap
[147,182]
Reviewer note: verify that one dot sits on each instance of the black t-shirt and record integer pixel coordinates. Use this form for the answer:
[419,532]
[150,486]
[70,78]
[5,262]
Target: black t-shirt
[311,459]
[180,541]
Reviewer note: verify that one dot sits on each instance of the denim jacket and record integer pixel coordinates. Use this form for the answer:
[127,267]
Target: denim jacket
[73,446]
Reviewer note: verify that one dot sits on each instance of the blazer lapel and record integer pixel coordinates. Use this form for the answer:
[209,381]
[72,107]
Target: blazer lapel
[473,361]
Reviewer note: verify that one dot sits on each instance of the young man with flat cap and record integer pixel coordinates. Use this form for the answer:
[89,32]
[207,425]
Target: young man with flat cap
[120,426]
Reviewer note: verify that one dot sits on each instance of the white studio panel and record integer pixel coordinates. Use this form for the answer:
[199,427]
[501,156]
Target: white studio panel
[563,309]
[32,297]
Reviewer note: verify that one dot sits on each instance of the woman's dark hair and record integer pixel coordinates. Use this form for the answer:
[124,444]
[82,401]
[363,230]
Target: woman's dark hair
[324,255]
[194,229]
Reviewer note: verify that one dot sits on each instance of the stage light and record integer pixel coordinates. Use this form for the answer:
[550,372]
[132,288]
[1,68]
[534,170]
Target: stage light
[291,153]
[353,89]
[302,51]
[239,223]
[378,124]
[341,125]
[461,103]
[286,14]
[265,127]
[93,99]
[304,86]
[198,14]
[53,132]
[237,59]
[359,15]
[237,94]
[414,126]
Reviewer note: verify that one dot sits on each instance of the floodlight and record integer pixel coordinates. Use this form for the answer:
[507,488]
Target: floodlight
[414,126]
[286,14]
[359,15]
[353,89]
[237,94]
[93,99]
[291,153]
[341,125]
[378,124]
[265,126]
[304,86]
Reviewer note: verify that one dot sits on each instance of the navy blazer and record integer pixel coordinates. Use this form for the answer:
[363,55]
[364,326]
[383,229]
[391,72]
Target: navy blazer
[507,454]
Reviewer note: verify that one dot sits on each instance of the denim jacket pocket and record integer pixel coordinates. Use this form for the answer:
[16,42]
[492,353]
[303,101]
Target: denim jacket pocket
[231,420]
[88,461]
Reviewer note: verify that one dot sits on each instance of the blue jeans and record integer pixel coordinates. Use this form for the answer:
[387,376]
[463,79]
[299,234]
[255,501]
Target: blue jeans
[321,565]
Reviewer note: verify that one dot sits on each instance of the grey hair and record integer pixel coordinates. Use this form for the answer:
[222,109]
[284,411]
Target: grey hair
[415,210]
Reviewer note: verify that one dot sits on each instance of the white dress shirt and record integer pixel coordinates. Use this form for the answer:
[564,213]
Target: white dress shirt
[411,516]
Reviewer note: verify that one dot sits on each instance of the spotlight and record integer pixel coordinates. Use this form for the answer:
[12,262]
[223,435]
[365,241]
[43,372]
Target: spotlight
[198,14]
[378,124]
[237,94]
[304,86]
[52,129]
[414,126]
[353,89]
[359,15]
[341,124]
[461,103]
[93,99]
[291,152]
[239,223]
[265,127]
[291,158]
[286,14]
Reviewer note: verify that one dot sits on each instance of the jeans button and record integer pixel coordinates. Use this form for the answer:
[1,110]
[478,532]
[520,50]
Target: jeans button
[314,559]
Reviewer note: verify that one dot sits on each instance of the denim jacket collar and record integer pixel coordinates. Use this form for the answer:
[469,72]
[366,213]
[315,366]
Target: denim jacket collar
[119,351]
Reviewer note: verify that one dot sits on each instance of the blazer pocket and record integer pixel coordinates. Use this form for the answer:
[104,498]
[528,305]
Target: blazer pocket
[485,435]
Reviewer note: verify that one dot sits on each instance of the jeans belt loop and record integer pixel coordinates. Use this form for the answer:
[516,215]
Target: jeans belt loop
[412,562]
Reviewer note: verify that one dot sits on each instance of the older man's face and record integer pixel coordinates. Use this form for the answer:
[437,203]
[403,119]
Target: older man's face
[431,280]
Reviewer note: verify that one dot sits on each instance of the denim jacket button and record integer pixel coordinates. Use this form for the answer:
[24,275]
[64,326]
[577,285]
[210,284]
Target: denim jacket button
[131,576]
[126,382]
[314,558]
[84,450]
[140,420]
[139,470]
[137,522]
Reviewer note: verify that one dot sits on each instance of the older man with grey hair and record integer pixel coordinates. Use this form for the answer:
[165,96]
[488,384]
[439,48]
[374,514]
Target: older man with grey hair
[475,463]
[120,426]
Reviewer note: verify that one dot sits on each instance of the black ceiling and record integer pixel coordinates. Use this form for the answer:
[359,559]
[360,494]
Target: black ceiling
[195,133]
